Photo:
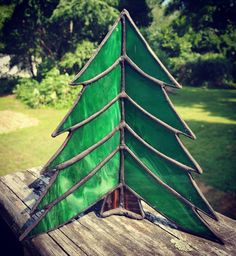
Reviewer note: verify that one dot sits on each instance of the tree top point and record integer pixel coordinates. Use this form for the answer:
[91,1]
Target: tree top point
[124,11]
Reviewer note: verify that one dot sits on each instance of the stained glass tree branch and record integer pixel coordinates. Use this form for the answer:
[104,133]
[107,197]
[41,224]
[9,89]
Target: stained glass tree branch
[123,144]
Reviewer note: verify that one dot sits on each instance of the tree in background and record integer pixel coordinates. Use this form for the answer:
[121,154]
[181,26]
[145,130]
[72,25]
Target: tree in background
[47,33]
[44,36]
[139,10]
[55,37]
[198,39]
[42,32]
[24,35]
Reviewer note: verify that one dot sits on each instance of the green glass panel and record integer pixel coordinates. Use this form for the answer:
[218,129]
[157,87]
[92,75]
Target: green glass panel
[74,173]
[162,199]
[85,196]
[156,135]
[94,98]
[168,172]
[106,56]
[140,55]
[89,134]
[150,96]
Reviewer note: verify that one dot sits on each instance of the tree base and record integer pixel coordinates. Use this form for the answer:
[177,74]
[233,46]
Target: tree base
[122,202]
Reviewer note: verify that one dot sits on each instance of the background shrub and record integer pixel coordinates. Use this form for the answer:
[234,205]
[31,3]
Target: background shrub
[211,70]
[71,62]
[53,90]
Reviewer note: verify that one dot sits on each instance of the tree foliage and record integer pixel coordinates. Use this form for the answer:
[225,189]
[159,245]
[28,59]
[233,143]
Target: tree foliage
[42,30]
[34,31]
[139,11]
[194,34]
[73,61]
[188,36]
[52,90]
[43,35]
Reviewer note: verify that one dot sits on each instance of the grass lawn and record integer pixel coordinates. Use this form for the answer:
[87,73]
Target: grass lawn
[211,114]
[31,146]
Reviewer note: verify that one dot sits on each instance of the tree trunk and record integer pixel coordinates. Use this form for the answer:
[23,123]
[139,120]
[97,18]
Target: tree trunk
[31,66]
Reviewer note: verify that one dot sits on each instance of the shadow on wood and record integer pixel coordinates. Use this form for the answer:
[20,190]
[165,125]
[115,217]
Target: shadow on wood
[114,235]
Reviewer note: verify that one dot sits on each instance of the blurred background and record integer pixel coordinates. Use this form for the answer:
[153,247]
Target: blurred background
[44,43]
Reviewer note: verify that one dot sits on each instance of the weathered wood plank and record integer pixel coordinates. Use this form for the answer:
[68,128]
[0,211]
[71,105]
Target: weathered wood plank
[9,205]
[13,212]
[125,246]
[114,235]
[120,243]
[135,242]
[225,228]
[45,246]
[70,247]
[86,240]
[142,235]
[19,185]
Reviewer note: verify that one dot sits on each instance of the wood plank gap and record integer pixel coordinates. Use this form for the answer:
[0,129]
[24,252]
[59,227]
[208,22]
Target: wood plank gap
[73,242]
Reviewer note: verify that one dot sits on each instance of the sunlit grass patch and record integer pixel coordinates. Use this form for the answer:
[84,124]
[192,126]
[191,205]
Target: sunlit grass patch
[198,113]
[211,114]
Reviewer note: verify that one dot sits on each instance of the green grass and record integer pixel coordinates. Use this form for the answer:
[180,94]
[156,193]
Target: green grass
[30,146]
[209,113]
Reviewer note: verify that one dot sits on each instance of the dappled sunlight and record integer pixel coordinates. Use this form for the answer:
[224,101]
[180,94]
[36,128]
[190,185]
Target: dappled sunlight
[11,121]
[32,145]
[199,113]
[229,100]
[208,105]
[215,151]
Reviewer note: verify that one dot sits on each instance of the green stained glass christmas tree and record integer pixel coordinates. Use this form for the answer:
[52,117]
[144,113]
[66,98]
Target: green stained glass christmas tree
[123,144]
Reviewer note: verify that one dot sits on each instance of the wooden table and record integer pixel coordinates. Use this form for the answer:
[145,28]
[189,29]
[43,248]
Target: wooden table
[115,235]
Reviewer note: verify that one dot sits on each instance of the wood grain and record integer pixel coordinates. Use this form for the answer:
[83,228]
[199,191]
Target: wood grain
[114,235]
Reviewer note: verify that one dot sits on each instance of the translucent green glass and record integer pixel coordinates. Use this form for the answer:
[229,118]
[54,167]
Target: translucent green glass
[94,98]
[86,195]
[156,135]
[140,55]
[162,199]
[169,173]
[150,96]
[74,173]
[106,56]
[89,134]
